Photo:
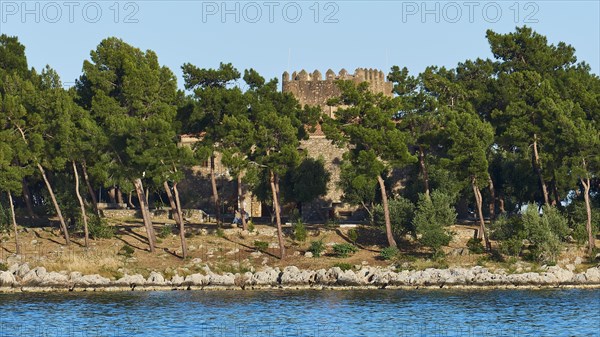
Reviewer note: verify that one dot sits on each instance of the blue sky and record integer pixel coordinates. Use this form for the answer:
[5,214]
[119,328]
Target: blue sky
[274,36]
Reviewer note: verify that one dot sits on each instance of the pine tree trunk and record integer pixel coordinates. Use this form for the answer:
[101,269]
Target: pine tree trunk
[139,188]
[501,204]
[386,213]
[130,200]
[181,223]
[63,226]
[89,187]
[27,197]
[119,196]
[424,170]
[538,170]
[14,223]
[213,182]
[479,201]
[112,195]
[172,203]
[274,188]
[81,206]
[241,201]
[588,208]
[493,198]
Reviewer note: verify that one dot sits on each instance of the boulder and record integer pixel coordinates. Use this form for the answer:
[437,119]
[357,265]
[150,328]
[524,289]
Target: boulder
[293,276]
[227,279]
[156,279]
[592,275]
[131,280]
[266,277]
[34,276]
[177,280]
[7,279]
[93,280]
[196,280]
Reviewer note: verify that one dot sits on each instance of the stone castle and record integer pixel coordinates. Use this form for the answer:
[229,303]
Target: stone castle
[312,89]
[309,89]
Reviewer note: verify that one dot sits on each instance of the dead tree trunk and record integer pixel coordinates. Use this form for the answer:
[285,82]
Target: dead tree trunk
[538,170]
[181,223]
[424,170]
[27,197]
[274,189]
[139,188]
[241,201]
[479,201]
[213,182]
[588,225]
[63,226]
[89,187]
[14,223]
[493,198]
[386,213]
[81,206]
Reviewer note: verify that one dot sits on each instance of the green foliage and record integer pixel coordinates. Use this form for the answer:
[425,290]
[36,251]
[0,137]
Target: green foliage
[126,251]
[300,232]
[165,231]
[343,266]
[402,212]
[220,232]
[306,182]
[261,245]
[353,235]
[389,253]
[3,266]
[577,216]
[344,249]
[317,248]
[431,217]
[99,228]
[539,231]
[250,226]
[475,246]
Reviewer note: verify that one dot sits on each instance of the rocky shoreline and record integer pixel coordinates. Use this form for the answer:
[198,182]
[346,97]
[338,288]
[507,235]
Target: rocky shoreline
[20,278]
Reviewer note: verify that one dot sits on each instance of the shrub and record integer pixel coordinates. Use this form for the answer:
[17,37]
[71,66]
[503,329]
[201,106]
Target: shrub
[3,266]
[300,232]
[545,243]
[317,248]
[389,253]
[431,216]
[165,231]
[98,227]
[126,251]
[353,235]
[220,232]
[250,226]
[402,212]
[344,249]
[261,245]
[343,266]
[556,221]
[475,246]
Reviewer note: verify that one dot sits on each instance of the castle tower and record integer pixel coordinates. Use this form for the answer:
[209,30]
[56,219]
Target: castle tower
[312,89]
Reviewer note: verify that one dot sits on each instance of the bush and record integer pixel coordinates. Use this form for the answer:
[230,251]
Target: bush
[431,216]
[126,251]
[540,231]
[402,212]
[389,253]
[165,231]
[505,227]
[344,249]
[475,246]
[261,245]
[317,248]
[353,235]
[300,232]
[250,226]
[3,266]
[98,227]
[557,222]
[343,266]
[220,232]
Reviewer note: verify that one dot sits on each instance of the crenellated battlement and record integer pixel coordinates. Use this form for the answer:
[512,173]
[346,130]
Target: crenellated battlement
[313,89]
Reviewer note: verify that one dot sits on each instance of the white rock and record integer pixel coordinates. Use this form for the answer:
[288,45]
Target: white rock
[7,279]
[155,279]
[308,254]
